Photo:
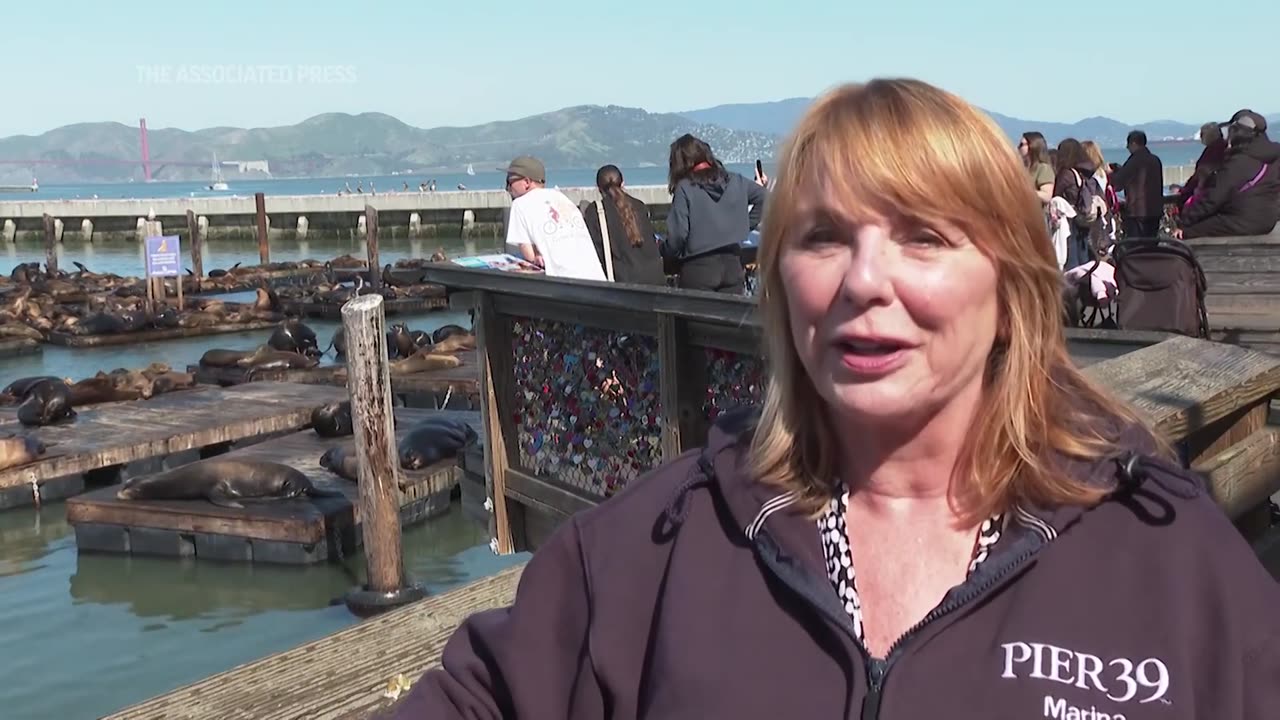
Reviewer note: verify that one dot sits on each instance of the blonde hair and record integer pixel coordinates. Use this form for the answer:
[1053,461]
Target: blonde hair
[905,149]
[1094,153]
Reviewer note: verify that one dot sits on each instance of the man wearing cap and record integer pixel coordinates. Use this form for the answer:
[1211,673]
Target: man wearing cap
[1243,196]
[546,227]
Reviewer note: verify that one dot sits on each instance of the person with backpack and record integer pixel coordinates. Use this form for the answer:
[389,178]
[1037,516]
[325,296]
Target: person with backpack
[1243,196]
[1075,182]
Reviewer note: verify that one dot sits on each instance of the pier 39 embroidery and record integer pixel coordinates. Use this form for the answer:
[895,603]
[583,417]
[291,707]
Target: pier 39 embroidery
[1115,688]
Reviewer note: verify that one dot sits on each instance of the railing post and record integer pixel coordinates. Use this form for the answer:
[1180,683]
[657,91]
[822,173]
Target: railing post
[50,246]
[497,393]
[371,243]
[369,383]
[197,257]
[264,248]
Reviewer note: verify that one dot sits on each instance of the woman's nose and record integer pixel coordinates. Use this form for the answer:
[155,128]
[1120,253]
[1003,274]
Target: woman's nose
[868,277]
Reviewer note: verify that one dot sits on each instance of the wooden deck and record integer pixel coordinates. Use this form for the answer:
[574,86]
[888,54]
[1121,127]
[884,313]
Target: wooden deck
[339,677]
[113,434]
[298,531]
[17,347]
[145,336]
[462,383]
[333,311]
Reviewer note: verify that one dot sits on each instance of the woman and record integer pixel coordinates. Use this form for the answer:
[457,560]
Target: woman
[1075,170]
[632,243]
[924,424]
[712,211]
[1112,204]
[1035,156]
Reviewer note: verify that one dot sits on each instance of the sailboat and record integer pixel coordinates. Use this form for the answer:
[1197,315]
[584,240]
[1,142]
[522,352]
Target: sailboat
[470,170]
[218,183]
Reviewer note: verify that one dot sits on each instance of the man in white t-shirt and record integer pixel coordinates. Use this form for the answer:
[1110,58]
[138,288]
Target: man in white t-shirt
[546,227]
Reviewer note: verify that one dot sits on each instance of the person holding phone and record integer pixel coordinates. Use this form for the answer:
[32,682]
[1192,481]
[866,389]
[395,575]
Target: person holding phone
[712,211]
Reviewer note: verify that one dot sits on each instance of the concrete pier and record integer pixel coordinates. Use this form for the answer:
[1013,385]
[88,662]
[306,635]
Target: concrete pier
[404,214]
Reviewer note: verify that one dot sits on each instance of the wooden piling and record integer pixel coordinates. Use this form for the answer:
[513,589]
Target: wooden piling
[264,250]
[197,258]
[50,245]
[369,384]
[155,286]
[371,240]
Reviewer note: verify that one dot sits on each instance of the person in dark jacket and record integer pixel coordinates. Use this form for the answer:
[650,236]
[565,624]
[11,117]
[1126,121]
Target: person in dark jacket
[632,242]
[1142,179]
[1211,158]
[1243,196]
[1074,169]
[712,211]
[933,514]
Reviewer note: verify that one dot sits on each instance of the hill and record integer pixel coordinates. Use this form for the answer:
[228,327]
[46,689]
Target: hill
[778,117]
[335,144]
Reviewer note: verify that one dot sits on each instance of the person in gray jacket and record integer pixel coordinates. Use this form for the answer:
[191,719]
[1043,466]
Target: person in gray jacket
[712,211]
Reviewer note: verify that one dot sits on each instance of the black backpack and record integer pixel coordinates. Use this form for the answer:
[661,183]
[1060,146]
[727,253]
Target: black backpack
[1161,287]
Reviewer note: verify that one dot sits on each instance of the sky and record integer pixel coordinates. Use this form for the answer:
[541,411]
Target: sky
[434,62]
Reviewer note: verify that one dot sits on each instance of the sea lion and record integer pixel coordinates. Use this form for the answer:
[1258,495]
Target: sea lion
[265,358]
[455,343]
[266,300]
[100,323]
[445,331]
[341,461]
[94,390]
[218,272]
[18,450]
[170,381]
[203,318]
[293,336]
[400,340]
[47,403]
[433,440]
[423,361]
[339,343]
[223,481]
[332,420]
[20,330]
[218,357]
[167,318]
[156,369]
[18,389]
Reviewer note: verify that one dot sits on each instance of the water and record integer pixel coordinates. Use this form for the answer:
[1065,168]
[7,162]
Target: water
[1177,153]
[83,636]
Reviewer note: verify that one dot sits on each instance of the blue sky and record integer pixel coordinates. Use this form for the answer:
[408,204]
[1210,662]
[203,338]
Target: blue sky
[433,62]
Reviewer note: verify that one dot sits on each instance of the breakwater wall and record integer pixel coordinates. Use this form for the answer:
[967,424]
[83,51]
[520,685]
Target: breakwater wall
[466,213]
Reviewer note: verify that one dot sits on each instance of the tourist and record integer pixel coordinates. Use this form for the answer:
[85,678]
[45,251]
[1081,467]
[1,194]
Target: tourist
[545,226]
[1094,153]
[1211,158]
[1075,174]
[1023,544]
[1035,155]
[1243,196]
[633,245]
[712,212]
[1142,180]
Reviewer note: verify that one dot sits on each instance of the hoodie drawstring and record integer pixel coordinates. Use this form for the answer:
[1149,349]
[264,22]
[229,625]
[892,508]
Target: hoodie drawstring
[677,508]
[1134,468]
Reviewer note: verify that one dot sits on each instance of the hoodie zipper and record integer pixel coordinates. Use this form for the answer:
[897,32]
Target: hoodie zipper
[877,669]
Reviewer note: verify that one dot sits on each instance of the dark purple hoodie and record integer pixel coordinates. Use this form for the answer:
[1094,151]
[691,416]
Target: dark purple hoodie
[698,593]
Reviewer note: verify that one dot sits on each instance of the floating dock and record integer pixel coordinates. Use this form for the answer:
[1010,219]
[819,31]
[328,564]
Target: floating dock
[113,434]
[299,531]
[19,346]
[333,310]
[461,384]
[146,336]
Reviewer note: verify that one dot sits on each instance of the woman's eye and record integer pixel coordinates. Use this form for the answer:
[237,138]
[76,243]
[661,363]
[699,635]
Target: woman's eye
[925,238]
[818,237]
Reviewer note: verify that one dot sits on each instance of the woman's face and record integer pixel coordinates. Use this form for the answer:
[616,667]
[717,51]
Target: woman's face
[891,322]
[1024,148]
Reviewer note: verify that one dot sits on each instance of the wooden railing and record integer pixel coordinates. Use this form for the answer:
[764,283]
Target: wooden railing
[587,385]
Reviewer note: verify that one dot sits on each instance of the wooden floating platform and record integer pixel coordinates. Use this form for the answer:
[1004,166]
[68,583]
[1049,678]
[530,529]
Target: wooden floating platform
[112,434]
[145,336]
[305,530]
[18,346]
[463,381]
[355,664]
[333,311]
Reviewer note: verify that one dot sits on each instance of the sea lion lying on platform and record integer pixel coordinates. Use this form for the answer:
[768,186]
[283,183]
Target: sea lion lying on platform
[341,461]
[219,358]
[47,403]
[455,343]
[18,450]
[294,336]
[446,331]
[422,361]
[266,300]
[223,481]
[170,381]
[218,272]
[17,390]
[265,358]
[433,440]
[20,330]
[332,420]
[104,388]
[202,318]
[400,341]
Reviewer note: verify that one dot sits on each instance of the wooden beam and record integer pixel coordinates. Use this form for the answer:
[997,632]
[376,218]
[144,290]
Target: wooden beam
[371,245]
[497,395]
[260,210]
[1245,474]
